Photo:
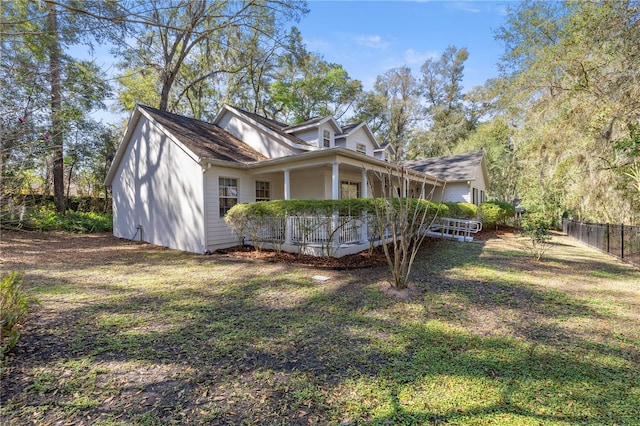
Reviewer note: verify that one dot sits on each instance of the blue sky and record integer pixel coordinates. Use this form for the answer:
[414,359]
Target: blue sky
[370,37]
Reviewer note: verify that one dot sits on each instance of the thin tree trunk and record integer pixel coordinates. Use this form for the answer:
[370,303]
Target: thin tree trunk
[56,106]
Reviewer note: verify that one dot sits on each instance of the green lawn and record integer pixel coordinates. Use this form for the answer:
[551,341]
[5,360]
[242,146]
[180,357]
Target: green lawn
[133,334]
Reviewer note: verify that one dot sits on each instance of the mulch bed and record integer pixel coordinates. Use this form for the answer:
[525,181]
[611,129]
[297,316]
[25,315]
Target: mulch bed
[363,259]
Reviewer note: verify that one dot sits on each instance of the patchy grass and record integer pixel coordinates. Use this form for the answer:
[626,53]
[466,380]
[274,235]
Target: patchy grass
[134,334]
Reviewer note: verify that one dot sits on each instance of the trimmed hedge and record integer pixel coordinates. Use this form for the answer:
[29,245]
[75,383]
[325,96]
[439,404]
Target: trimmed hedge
[493,213]
[350,207]
[462,210]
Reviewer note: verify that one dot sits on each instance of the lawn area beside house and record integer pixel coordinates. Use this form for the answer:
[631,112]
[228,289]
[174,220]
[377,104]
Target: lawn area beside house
[129,333]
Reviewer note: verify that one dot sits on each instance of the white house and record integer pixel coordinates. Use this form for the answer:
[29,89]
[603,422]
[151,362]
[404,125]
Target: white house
[173,178]
[466,175]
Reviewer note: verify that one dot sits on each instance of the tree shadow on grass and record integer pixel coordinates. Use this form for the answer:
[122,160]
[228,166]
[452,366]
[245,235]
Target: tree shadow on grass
[273,349]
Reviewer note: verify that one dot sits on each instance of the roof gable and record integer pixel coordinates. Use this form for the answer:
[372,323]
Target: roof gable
[314,122]
[205,140]
[274,127]
[452,168]
[202,140]
[351,128]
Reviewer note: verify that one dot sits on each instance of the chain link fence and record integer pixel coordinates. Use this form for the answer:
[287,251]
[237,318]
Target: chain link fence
[622,241]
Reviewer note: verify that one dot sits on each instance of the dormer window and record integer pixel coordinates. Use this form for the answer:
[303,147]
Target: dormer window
[386,156]
[361,148]
[326,138]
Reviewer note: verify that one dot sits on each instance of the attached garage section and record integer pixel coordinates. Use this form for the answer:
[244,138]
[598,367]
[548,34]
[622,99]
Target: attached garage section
[157,192]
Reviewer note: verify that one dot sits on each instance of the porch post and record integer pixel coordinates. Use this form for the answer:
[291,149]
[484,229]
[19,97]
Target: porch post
[364,227]
[365,185]
[335,181]
[288,221]
[287,185]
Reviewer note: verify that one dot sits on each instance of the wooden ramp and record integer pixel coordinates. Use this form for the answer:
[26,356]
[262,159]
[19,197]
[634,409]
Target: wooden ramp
[454,229]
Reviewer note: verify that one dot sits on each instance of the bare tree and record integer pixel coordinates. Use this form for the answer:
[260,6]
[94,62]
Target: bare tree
[402,221]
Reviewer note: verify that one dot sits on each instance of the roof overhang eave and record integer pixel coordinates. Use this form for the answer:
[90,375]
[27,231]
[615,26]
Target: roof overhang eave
[344,152]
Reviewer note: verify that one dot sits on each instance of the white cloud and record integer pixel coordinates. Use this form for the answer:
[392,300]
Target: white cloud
[316,44]
[467,6]
[413,57]
[373,41]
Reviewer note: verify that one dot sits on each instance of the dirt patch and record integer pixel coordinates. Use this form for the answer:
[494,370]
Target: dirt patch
[33,248]
[363,259]
[501,231]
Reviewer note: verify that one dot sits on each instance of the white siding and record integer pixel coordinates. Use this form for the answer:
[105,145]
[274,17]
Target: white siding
[277,184]
[258,139]
[158,187]
[458,192]
[387,151]
[310,136]
[332,135]
[219,235]
[360,136]
[311,184]
[479,182]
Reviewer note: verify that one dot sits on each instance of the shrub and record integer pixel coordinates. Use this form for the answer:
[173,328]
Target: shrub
[14,306]
[46,219]
[493,213]
[462,210]
[252,219]
[536,226]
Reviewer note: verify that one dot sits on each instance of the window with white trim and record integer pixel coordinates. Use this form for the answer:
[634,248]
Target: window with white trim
[475,196]
[326,138]
[227,194]
[360,147]
[349,189]
[263,191]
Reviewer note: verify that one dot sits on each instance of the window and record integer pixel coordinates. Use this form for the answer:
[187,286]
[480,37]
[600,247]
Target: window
[326,138]
[481,196]
[475,196]
[228,194]
[360,147]
[349,189]
[386,156]
[263,191]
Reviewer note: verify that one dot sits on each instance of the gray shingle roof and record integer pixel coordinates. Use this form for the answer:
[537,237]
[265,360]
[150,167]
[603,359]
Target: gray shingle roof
[206,140]
[450,168]
[347,128]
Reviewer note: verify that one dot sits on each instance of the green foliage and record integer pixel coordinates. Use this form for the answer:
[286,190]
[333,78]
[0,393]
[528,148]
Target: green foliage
[308,87]
[282,208]
[565,126]
[445,104]
[46,219]
[14,306]
[348,207]
[495,139]
[536,226]
[493,213]
[461,210]
[258,220]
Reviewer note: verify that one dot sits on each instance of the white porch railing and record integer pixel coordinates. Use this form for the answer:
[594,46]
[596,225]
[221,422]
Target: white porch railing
[339,235]
[460,229]
[308,230]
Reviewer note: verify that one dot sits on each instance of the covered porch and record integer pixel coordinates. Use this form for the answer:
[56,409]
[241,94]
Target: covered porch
[339,173]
